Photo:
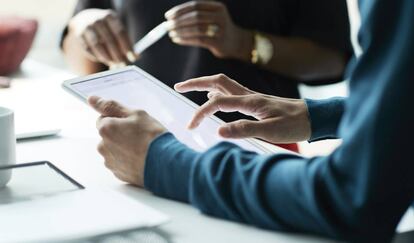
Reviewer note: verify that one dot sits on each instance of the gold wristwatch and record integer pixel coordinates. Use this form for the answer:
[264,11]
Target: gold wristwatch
[263,49]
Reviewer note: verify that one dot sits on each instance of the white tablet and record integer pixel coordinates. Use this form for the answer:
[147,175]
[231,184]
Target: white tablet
[136,89]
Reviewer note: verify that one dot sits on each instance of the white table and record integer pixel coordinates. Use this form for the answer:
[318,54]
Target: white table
[36,95]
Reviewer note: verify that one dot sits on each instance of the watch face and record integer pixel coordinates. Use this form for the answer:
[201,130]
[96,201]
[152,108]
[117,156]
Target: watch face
[264,49]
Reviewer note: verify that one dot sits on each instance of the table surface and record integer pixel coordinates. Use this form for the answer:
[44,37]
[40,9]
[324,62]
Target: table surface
[36,96]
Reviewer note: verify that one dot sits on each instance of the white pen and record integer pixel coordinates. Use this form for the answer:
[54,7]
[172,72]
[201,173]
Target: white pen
[148,40]
[151,37]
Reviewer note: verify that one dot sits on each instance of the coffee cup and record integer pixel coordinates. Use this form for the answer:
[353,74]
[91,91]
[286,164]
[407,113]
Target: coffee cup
[7,144]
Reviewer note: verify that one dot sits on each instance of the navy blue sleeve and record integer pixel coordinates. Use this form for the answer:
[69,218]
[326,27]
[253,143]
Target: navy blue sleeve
[167,171]
[358,193]
[325,116]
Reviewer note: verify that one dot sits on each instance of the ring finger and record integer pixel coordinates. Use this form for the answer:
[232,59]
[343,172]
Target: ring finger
[203,30]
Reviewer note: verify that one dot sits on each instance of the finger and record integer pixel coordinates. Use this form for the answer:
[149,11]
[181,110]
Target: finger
[121,176]
[197,41]
[118,30]
[194,18]
[108,128]
[191,6]
[108,107]
[220,103]
[110,42]
[94,44]
[109,160]
[88,50]
[205,83]
[243,129]
[211,94]
[103,150]
[220,83]
[195,34]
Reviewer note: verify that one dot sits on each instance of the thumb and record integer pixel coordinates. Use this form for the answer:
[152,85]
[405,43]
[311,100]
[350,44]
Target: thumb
[108,108]
[241,129]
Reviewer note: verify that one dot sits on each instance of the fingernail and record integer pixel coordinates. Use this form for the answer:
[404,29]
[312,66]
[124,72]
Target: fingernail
[224,132]
[177,86]
[170,24]
[112,65]
[176,40]
[169,14]
[173,34]
[92,99]
[193,125]
[131,57]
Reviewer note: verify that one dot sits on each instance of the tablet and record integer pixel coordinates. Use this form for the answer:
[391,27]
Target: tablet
[136,89]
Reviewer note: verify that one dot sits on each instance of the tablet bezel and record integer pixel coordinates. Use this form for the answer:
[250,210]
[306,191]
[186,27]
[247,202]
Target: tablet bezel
[263,146]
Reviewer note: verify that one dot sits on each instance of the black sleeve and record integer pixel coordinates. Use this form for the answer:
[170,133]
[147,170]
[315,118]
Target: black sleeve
[323,21]
[82,5]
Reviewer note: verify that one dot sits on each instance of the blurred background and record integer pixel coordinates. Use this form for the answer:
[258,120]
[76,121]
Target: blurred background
[52,16]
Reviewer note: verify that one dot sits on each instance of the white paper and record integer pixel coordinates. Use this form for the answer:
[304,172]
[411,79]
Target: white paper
[74,215]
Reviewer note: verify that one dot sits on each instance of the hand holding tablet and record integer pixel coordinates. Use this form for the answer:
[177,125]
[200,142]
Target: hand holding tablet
[135,89]
[126,135]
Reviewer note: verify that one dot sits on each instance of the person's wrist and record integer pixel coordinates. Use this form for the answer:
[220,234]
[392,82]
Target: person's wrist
[295,118]
[168,166]
[304,116]
[244,45]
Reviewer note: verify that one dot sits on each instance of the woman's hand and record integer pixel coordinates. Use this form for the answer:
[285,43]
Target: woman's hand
[280,120]
[208,24]
[103,37]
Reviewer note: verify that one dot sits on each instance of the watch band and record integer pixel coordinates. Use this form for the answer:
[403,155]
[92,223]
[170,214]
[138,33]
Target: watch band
[262,51]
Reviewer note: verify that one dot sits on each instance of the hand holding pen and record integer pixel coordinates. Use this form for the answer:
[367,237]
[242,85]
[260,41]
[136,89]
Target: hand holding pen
[103,37]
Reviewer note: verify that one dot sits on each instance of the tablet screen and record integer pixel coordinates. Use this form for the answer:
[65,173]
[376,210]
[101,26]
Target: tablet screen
[138,90]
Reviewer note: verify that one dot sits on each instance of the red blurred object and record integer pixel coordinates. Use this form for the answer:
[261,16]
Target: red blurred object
[292,147]
[16,37]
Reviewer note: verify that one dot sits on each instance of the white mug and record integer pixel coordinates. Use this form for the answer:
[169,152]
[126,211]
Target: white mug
[7,144]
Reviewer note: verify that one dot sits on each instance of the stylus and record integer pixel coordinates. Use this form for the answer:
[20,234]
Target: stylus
[151,37]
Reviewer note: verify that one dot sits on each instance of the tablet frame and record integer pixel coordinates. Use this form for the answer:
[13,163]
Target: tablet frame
[67,86]
[47,163]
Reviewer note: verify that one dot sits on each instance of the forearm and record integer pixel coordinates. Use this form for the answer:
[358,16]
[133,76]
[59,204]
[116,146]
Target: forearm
[279,192]
[305,60]
[298,58]
[238,185]
[168,166]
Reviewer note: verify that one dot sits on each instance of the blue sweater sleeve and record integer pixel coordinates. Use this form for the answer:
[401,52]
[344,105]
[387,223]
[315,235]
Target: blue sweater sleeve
[358,193]
[325,116]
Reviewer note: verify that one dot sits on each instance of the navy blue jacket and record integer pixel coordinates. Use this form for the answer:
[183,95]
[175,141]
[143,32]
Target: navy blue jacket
[359,192]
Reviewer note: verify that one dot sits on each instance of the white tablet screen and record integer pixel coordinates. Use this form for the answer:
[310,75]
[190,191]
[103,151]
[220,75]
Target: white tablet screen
[140,91]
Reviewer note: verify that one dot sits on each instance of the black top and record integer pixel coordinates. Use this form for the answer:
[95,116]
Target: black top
[323,21]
